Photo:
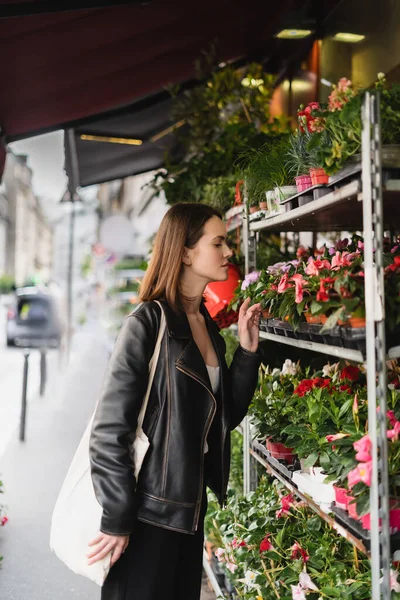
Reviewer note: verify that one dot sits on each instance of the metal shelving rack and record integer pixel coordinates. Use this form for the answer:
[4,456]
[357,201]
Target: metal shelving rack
[355,206]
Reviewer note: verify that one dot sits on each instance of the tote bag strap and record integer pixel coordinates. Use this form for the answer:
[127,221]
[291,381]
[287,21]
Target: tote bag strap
[152,367]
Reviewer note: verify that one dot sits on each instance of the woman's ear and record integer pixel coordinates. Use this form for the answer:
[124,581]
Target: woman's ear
[186,258]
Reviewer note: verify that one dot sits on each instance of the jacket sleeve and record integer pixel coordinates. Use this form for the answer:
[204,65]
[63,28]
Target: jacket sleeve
[115,419]
[243,374]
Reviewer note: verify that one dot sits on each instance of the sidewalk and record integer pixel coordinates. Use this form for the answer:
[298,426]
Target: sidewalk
[33,472]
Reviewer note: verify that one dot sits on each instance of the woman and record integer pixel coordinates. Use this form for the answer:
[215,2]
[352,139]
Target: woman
[194,403]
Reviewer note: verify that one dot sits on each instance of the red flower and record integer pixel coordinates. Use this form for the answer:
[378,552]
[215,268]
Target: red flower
[3,521]
[351,373]
[304,387]
[296,550]
[345,388]
[391,416]
[238,543]
[322,294]
[266,544]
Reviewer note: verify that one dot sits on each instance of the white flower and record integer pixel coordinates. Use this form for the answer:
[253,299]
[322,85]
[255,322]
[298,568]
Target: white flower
[306,583]
[328,370]
[249,578]
[289,367]
[298,592]
[381,76]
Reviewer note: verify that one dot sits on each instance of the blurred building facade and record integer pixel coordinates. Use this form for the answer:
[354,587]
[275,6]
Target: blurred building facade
[26,237]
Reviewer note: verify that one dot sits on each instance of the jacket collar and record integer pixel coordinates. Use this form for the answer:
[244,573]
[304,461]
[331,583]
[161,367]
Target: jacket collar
[178,324]
[191,358]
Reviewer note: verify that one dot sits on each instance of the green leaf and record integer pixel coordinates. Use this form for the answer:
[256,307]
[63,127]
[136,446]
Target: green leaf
[311,460]
[331,592]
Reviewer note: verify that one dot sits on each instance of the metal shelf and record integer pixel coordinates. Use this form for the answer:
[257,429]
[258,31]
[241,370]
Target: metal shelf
[321,214]
[315,507]
[338,351]
[340,210]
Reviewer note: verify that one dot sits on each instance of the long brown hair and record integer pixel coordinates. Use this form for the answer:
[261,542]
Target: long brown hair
[182,226]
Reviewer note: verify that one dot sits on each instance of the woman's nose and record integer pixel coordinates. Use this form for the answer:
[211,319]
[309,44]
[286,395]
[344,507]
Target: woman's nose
[228,252]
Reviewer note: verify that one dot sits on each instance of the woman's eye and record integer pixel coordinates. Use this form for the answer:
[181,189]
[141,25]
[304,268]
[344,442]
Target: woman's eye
[218,245]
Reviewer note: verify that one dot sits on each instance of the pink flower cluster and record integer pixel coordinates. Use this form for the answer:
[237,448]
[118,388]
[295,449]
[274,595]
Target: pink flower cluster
[363,471]
[3,521]
[341,94]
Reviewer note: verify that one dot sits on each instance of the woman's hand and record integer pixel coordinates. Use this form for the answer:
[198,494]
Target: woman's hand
[248,325]
[105,543]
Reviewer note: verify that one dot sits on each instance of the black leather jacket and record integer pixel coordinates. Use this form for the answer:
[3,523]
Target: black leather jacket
[182,413]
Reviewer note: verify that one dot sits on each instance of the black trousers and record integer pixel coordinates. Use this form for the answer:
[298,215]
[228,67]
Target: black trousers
[158,564]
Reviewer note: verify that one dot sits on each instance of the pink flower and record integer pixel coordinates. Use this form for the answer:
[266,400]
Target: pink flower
[283,285]
[306,583]
[296,550]
[4,520]
[360,245]
[220,553]
[266,544]
[315,266]
[341,260]
[362,473]
[393,434]
[231,566]
[337,436]
[394,584]
[298,282]
[363,447]
[298,592]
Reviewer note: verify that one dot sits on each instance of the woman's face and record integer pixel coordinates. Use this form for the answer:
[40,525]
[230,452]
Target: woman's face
[209,258]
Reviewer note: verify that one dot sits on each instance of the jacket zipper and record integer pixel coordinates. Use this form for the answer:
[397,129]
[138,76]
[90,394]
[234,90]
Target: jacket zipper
[207,429]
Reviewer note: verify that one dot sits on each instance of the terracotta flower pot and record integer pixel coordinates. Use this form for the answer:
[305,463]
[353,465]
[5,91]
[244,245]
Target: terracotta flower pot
[280,451]
[357,322]
[266,313]
[313,319]
[318,176]
[303,182]
[263,205]
[253,209]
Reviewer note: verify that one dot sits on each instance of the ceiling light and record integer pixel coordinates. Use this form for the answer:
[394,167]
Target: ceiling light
[111,140]
[350,38]
[293,34]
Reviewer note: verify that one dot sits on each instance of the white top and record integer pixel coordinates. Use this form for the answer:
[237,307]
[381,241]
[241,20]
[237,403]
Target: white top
[213,373]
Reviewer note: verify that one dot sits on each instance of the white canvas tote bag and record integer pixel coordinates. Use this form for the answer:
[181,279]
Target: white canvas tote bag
[77,513]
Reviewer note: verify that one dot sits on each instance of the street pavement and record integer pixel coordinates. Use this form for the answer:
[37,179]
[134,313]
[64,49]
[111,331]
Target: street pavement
[33,471]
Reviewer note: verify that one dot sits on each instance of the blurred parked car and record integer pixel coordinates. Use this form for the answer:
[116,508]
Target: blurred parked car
[33,320]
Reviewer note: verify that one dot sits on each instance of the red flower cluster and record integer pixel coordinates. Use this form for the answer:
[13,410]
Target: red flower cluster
[394,267]
[307,385]
[307,121]
[351,373]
